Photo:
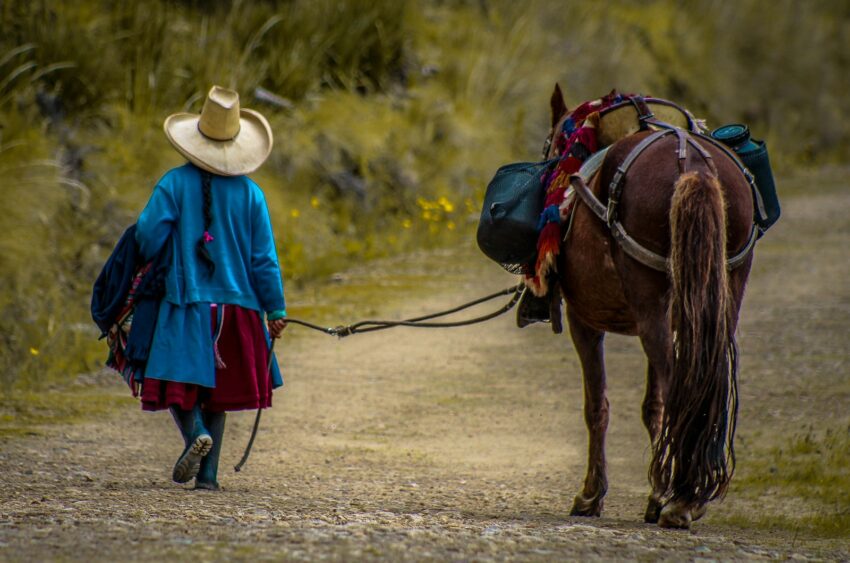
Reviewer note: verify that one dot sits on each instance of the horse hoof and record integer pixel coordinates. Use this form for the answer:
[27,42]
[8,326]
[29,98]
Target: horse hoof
[674,515]
[698,512]
[586,507]
[653,510]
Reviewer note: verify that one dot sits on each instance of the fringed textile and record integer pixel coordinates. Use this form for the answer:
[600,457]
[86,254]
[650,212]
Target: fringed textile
[575,142]
[118,337]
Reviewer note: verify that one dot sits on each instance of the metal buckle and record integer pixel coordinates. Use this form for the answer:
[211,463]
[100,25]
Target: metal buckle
[546,146]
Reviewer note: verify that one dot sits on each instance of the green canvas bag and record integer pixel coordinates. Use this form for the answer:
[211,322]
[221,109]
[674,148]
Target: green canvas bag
[507,229]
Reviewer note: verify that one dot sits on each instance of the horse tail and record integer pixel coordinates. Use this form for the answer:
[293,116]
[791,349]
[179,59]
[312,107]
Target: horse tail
[694,456]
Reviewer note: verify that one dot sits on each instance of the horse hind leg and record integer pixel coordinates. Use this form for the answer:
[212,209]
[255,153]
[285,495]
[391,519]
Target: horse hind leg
[589,346]
[652,411]
[656,342]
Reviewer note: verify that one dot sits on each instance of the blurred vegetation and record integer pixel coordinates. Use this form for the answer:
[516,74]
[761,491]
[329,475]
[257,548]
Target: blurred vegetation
[394,115]
[812,469]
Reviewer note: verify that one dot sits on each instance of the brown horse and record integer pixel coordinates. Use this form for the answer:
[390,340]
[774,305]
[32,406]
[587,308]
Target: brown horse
[696,214]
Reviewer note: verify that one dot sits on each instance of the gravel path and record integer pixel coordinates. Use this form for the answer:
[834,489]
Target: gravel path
[461,444]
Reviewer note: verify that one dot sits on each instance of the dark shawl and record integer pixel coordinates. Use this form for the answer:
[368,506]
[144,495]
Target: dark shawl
[112,289]
[113,283]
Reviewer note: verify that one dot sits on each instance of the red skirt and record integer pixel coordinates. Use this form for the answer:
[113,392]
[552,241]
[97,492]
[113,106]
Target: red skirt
[242,379]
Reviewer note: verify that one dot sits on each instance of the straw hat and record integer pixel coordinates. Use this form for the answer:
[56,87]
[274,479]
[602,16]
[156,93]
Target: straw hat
[223,139]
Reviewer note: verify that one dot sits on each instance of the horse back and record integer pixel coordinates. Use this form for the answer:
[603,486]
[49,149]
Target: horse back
[644,207]
[609,290]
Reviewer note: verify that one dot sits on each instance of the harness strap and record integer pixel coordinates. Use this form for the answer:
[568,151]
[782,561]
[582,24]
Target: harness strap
[615,188]
[739,258]
[682,152]
[588,198]
[640,253]
[758,202]
[609,214]
[643,111]
[706,156]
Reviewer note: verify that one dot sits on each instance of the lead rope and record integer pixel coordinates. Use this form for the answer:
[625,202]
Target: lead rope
[371,326]
[238,467]
[419,322]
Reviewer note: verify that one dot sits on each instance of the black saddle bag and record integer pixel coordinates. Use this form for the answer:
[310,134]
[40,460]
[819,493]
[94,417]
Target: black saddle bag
[507,230]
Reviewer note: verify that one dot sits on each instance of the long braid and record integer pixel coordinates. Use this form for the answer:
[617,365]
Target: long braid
[206,238]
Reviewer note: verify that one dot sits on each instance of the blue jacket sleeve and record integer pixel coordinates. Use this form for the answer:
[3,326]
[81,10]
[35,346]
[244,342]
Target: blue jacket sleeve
[265,270]
[156,222]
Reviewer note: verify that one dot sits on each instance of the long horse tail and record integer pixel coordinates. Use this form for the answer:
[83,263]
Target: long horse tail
[694,456]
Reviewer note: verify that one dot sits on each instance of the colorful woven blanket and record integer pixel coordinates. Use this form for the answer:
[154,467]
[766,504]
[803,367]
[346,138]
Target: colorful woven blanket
[575,142]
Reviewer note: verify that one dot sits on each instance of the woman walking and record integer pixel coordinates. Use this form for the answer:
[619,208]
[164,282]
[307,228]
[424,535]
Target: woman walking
[210,349]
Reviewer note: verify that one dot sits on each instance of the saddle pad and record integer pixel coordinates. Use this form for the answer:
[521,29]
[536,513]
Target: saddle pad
[620,121]
[592,165]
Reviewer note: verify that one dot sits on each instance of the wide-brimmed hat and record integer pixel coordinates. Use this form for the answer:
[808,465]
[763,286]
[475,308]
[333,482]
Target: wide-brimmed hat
[223,139]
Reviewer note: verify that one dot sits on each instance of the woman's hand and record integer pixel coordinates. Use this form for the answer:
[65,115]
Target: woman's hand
[276,327]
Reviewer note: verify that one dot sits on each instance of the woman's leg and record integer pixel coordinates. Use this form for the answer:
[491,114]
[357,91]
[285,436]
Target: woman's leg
[207,477]
[242,380]
[197,440]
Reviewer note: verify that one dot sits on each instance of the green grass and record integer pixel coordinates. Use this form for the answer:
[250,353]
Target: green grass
[810,475]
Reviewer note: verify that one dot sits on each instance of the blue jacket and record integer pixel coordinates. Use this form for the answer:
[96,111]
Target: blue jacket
[247,272]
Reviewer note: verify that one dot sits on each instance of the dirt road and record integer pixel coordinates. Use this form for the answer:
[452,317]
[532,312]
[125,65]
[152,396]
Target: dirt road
[461,444]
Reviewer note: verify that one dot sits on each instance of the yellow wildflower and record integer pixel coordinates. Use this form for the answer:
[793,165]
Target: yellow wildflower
[295,214]
[34,351]
[314,202]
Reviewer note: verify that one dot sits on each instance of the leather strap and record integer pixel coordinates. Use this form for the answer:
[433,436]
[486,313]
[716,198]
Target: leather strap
[643,111]
[758,202]
[577,182]
[706,156]
[693,125]
[608,214]
[633,248]
[615,188]
[738,259]
[682,151]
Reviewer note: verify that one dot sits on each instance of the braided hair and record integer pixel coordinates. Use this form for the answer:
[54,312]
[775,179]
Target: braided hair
[206,238]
